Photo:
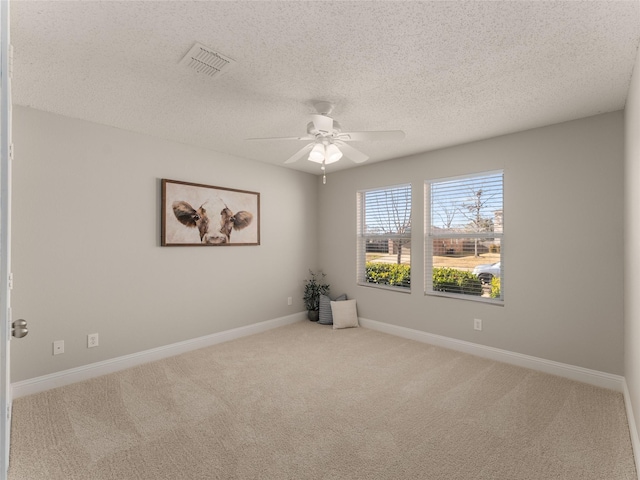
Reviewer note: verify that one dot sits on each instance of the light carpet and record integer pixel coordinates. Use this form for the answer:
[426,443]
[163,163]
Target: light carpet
[305,401]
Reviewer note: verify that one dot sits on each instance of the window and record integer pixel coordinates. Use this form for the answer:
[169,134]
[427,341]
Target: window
[384,237]
[464,240]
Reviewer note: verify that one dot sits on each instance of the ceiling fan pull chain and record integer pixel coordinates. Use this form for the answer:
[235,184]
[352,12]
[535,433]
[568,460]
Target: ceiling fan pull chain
[324,172]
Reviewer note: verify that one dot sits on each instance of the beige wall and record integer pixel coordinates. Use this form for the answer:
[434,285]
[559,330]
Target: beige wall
[563,243]
[86,254]
[632,244]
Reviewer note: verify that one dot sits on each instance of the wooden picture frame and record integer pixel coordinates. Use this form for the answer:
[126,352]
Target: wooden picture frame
[203,215]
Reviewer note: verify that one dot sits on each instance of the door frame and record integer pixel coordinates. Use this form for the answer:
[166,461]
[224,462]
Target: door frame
[5,237]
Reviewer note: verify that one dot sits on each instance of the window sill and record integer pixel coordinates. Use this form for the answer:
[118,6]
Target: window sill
[385,287]
[469,298]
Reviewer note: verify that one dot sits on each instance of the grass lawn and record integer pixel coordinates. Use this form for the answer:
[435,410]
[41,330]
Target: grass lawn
[467,262]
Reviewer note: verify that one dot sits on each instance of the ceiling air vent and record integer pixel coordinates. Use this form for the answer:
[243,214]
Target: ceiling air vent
[204,60]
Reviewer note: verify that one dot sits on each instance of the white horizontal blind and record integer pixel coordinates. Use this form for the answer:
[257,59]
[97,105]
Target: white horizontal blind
[465,236]
[384,236]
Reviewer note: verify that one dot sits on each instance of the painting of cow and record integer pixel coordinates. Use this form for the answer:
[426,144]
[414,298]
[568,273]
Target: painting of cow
[196,214]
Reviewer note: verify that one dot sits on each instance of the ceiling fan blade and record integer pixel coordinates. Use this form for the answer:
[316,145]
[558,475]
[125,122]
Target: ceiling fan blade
[300,153]
[322,123]
[355,155]
[372,136]
[306,138]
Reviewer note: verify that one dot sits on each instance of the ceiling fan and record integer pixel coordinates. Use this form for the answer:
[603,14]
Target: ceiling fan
[328,143]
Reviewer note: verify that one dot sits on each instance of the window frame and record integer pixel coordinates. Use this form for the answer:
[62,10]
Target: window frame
[430,237]
[362,237]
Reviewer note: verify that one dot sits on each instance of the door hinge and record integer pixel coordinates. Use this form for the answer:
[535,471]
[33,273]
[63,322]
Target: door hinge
[11,151]
[11,281]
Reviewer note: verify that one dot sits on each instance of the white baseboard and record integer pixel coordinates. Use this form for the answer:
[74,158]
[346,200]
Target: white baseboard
[633,431]
[85,372]
[585,375]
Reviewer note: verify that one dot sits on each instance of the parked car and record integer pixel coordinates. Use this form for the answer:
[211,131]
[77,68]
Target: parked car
[486,272]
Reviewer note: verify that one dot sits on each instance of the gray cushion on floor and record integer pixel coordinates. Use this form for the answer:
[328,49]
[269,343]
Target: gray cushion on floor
[326,317]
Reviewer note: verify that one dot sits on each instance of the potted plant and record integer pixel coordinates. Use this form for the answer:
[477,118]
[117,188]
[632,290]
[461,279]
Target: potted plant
[313,288]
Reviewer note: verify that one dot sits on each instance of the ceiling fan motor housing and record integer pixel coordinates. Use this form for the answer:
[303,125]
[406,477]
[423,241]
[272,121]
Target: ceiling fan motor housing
[312,130]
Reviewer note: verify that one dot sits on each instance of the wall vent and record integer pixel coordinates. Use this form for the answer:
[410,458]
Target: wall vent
[206,61]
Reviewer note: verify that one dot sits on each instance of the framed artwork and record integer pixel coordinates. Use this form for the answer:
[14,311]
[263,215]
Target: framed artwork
[204,215]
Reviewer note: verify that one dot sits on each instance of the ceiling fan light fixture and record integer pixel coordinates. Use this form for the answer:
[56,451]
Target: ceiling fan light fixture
[317,153]
[333,154]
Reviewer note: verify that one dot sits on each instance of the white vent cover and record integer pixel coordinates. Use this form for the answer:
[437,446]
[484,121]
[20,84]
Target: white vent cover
[204,60]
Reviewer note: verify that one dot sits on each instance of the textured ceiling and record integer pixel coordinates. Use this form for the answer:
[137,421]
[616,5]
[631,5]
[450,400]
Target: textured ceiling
[444,72]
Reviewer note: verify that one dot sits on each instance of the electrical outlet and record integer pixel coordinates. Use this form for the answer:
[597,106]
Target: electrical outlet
[477,324]
[58,347]
[289,301]
[92,340]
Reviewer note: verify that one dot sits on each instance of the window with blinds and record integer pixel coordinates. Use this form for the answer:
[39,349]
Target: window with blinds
[384,237]
[464,241]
